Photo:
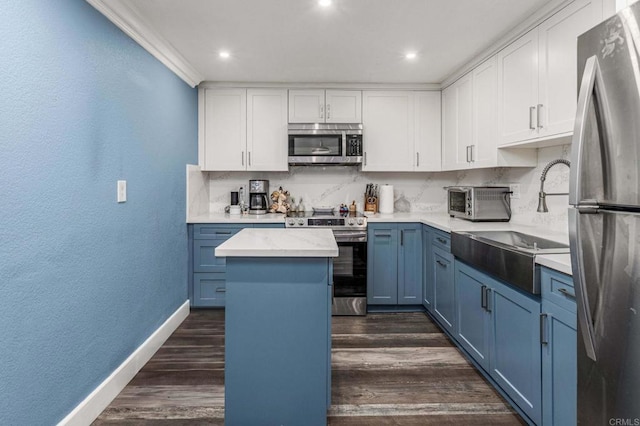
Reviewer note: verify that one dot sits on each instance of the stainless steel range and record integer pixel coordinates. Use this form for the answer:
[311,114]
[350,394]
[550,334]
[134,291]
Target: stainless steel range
[350,267]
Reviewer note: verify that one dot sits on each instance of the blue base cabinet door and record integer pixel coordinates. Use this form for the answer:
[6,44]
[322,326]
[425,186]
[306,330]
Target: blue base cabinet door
[444,295]
[559,350]
[209,289]
[382,264]
[516,364]
[474,318]
[427,276]
[410,264]
[559,366]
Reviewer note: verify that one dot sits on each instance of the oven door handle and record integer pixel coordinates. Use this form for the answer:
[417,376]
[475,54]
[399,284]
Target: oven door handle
[350,236]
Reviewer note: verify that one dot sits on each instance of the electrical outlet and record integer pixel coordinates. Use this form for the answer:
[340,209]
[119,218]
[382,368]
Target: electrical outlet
[122,191]
[515,189]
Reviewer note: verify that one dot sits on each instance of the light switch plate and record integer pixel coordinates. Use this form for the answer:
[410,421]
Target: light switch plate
[515,189]
[122,191]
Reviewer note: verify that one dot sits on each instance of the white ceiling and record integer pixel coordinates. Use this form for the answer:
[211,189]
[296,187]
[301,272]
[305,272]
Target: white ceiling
[353,41]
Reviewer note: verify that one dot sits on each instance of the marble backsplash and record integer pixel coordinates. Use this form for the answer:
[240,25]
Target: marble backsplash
[333,185]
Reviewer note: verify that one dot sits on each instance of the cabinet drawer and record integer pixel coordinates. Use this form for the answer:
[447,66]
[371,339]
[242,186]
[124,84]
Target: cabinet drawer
[208,232]
[209,289]
[268,225]
[558,288]
[442,240]
[204,258]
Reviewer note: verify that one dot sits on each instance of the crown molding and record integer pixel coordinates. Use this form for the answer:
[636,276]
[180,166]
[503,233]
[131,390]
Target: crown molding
[329,86]
[125,17]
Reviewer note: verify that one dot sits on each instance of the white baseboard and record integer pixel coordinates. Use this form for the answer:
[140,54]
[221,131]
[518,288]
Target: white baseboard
[91,407]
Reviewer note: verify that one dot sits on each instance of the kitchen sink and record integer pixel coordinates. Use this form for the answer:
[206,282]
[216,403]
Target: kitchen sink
[507,255]
[523,242]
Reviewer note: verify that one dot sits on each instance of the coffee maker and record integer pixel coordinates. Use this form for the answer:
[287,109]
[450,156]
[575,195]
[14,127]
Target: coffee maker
[258,199]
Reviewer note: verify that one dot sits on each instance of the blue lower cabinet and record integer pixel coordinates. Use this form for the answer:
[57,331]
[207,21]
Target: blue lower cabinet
[206,270]
[515,362]
[474,317]
[394,264]
[382,264]
[427,276]
[410,264]
[499,327]
[559,350]
[444,294]
[209,289]
[278,341]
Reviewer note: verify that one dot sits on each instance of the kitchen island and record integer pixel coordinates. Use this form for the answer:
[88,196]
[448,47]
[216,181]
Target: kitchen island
[278,326]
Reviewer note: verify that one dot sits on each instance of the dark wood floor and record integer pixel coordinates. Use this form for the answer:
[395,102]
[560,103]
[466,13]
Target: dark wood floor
[387,369]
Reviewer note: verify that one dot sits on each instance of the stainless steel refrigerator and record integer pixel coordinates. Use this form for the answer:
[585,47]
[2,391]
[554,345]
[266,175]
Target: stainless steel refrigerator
[604,221]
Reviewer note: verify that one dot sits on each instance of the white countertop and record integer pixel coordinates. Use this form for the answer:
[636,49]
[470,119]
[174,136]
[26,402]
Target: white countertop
[559,262]
[255,242]
[237,218]
[286,244]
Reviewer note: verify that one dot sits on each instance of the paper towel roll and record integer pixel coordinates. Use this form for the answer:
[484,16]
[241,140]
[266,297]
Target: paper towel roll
[385,205]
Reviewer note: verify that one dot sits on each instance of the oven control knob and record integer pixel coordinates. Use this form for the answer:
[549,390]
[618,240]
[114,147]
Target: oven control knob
[352,222]
[300,222]
[360,221]
[291,222]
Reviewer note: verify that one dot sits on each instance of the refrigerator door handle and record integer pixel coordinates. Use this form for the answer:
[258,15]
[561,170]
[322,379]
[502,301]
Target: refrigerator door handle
[582,298]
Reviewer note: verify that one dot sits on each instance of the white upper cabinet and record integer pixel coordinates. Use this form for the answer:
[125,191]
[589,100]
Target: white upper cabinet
[457,128]
[428,133]
[470,124]
[267,130]
[388,131]
[325,106]
[401,131]
[222,118]
[537,76]
[240,129]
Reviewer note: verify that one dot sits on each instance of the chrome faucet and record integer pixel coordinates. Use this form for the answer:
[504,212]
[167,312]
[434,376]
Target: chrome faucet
[542,203]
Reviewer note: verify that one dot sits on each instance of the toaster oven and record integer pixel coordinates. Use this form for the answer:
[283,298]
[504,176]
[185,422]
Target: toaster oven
[480,203]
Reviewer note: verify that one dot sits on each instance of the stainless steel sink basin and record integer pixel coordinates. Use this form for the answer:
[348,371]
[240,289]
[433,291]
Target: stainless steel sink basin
[507,255]
[522,242]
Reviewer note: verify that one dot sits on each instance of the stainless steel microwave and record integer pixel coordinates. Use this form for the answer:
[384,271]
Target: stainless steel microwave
[325,144]
[480,203]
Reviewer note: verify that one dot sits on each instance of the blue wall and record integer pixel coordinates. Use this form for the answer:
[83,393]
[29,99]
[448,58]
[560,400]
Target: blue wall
[84,280]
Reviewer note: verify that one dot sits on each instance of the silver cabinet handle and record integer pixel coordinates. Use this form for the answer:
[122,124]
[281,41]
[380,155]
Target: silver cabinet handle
[544,340]
[486,298]
[328,111]
[417,159]
[441,263]
[221,290]
[441,240]
[249,154]
[365,158]
[468,160]
[243,158]
[483,297]
[531,110]
[567,293]
[471,154]
[539,116]
[321,111]
[402,237]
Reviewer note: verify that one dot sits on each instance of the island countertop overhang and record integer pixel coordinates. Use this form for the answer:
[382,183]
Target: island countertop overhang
[252,242]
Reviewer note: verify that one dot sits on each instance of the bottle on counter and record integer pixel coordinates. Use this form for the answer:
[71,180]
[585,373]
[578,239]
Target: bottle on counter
[301,206]
[294,206]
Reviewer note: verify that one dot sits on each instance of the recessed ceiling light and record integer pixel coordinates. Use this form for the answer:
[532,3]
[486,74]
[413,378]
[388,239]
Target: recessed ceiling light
[411,55]
[224,54]
[324,3]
